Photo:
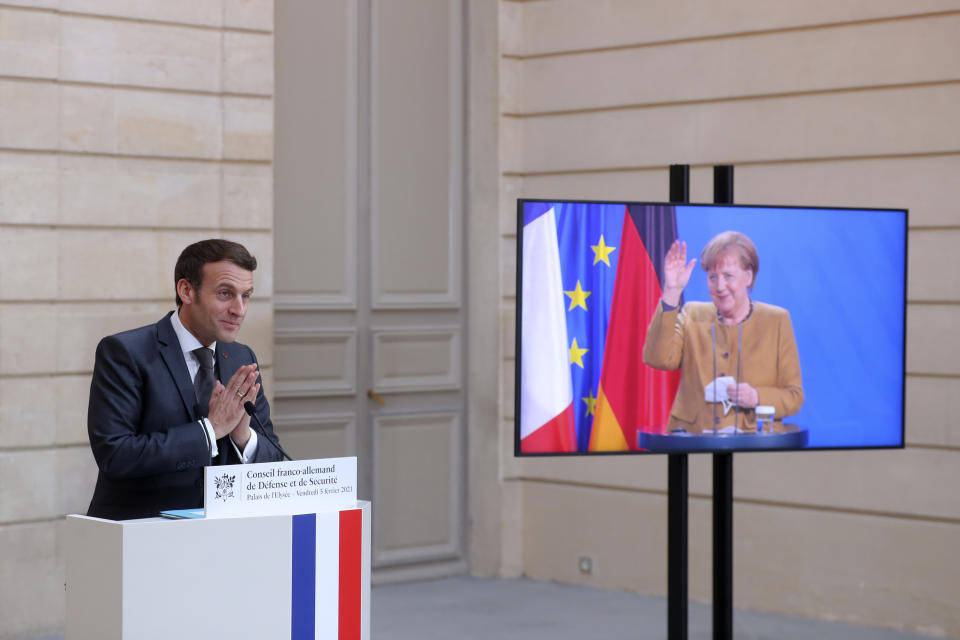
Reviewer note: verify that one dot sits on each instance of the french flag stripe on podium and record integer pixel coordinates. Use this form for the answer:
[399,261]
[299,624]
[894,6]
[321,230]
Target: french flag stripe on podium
[326,576]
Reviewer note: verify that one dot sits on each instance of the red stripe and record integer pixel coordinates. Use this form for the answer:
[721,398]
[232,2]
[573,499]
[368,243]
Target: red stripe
[351,546]
[639,396]
[557,435]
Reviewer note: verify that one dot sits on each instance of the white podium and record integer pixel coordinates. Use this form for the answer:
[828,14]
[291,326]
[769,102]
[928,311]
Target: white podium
[301,576]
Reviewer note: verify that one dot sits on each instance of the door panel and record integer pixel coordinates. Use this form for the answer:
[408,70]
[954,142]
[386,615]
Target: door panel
[369,325]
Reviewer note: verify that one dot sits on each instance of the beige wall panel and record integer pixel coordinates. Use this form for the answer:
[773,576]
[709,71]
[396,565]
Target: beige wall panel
[415,132]
[511,143]
[508,267]
[416,359]
[929,348]
[308,436]
[88,119]
[28,417]
[136,54]
[316,181]
[648,473]
[163,124]
[879,481]
[930,416]
[564,25]
[18,355]
[34,474]
[185,11]
[133,192]
[247,192]
[29,113]
[823,59]
[28,264]
[248,14]
[923,184]
[248,128]
[76,478]
[511,188]
[933,255]
[417,486]
[31,581]
[248,63]
[309,445]
[73,396]
[885,572]
[316,362]
[625,533]
[829,565]
[28,43]
[89,261]
[508,373]
[28,188]
[638,185]
[38,4]
[508,330]
[513,93]
[817,126]
[80,327]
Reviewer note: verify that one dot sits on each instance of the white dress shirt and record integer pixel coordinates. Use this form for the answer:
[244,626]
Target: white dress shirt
[189,342]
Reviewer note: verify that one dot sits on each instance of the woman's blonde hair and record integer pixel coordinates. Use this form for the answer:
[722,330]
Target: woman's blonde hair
[731,241]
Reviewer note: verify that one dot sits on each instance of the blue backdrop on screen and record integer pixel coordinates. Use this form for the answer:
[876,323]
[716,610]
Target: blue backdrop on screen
[840,275]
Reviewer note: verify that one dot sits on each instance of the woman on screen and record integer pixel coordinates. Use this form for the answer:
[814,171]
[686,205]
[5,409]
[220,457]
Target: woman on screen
[733,353]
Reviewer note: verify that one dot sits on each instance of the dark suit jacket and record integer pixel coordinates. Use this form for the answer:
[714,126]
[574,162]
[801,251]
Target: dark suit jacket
[143,425]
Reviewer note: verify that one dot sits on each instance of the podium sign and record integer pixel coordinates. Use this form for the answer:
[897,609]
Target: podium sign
[279,488]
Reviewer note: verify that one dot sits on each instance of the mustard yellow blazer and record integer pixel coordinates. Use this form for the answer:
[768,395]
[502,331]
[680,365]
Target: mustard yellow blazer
[681,339]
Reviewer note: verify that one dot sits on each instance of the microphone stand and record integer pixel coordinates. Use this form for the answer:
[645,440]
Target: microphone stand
[249,408]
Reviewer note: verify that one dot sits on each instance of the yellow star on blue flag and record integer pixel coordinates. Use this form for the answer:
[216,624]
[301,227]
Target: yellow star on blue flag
[576,354]
[578,297]
[601,252]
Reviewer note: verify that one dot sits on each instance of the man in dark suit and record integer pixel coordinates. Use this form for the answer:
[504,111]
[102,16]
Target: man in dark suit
[167,399]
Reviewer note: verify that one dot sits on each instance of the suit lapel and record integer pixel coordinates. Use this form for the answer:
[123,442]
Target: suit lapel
[172,356]
[227,362]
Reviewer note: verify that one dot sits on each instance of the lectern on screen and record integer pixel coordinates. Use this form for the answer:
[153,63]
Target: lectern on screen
[817,363]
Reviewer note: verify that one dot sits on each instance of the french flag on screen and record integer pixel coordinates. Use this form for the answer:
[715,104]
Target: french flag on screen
[546,412]
[326,602]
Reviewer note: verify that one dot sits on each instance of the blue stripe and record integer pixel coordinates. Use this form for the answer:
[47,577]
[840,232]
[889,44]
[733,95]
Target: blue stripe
[303,596]
[533,210]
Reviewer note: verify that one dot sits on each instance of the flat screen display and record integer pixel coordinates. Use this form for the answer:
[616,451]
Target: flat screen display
[669,328]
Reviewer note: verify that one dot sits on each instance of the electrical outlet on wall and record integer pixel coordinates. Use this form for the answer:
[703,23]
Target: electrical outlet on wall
[586,565]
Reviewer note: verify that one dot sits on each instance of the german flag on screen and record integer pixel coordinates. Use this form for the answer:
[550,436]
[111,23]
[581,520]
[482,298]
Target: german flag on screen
[633,397]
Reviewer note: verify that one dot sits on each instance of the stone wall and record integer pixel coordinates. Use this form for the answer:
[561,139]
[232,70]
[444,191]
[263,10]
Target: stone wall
[127,131]
[842,103]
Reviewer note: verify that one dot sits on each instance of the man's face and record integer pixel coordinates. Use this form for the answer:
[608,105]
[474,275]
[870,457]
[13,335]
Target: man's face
[215,310]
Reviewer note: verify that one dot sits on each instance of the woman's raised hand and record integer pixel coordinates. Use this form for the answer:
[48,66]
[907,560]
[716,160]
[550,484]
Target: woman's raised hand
[676,272]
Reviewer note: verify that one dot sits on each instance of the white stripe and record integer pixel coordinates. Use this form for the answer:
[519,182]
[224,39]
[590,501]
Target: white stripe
[328,575]
[547,388]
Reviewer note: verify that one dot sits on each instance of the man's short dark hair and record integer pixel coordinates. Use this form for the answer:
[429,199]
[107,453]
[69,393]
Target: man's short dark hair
[190,263]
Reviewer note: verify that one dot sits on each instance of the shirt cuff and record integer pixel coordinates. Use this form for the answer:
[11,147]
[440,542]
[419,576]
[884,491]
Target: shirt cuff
[211,437]
[665,306]
[248,451]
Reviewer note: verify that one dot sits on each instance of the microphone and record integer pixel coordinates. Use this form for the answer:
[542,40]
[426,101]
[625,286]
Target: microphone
[248,407]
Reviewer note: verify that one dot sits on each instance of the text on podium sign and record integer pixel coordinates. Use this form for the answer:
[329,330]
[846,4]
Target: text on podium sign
[280,488]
